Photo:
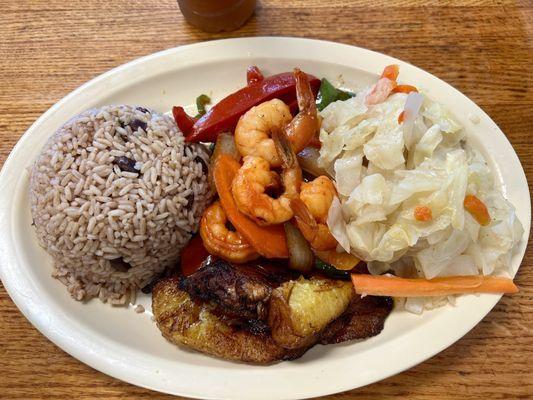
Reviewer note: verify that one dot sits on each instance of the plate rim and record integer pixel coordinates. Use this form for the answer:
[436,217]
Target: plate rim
[109,368]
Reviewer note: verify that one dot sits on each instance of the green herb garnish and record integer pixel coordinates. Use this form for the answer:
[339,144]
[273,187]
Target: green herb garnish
[201,102]
[328,94]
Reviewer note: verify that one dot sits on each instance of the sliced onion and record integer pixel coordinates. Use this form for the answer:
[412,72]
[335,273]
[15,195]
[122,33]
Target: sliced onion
[300,255]
[225,145]
[308,159]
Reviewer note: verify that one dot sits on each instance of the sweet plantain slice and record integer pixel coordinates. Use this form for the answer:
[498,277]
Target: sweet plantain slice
[300,310]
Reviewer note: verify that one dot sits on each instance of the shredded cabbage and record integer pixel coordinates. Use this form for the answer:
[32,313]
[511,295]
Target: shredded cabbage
[384,169]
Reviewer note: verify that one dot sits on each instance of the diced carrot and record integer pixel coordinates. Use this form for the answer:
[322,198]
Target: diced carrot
[401,117]
[477,209]
[343,261]
[423,213]
[380,285]
[391,72]
[404,89]
[269,241]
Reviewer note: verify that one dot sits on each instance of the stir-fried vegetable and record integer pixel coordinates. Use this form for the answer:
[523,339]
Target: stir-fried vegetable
[477,209]
[308,160]
[343,261]
[328,94]
[223,116]
[300,255]
[253,75]
[269,241]
[380,285]
[201,102]
[330,271]
[193,255]
[184,121]
[225,144]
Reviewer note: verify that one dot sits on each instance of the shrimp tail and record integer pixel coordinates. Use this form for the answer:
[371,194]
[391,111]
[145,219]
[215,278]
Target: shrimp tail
[305,221]
[305,126]
[304,93]
[284,149]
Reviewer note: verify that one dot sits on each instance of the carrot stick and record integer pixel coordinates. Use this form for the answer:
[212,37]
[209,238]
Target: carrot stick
[269,241]
[379,285]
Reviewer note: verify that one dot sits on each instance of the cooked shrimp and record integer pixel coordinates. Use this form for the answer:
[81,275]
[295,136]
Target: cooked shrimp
[254,129]
[306,125]
[311,212]
[254,178]
[221,241]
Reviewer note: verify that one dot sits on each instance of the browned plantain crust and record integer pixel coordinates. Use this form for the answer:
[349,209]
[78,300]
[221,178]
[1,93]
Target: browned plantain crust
[364,318]
[192,324]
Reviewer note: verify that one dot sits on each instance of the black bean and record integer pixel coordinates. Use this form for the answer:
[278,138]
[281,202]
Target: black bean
[136,124]
[143,110]
[125,164]
[120,265]
[190,200]
[205,167]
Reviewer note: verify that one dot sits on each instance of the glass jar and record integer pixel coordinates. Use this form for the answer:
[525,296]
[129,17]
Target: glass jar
[217,15]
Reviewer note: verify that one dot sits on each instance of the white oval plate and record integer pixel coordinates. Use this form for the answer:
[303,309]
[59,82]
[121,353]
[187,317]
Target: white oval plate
[128,346]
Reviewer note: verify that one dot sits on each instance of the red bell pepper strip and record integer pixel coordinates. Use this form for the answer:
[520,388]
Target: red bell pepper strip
[184,121]
[193,255]
[253,75]
[224,115]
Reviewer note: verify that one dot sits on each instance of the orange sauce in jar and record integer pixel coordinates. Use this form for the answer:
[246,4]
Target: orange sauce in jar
[217,15]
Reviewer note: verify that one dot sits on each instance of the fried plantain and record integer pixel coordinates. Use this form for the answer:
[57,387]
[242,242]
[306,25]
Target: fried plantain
[184,321]
[364,317]
[300,310]
[243,314]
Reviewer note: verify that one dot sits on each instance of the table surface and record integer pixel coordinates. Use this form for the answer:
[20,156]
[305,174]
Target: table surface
[483,48]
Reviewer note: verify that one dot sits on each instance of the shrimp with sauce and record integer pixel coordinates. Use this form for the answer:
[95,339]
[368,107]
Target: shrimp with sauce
[253,133]
[311,212]
[254,179]
[221,241]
